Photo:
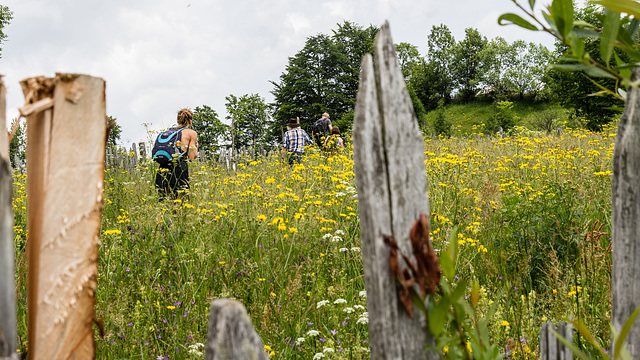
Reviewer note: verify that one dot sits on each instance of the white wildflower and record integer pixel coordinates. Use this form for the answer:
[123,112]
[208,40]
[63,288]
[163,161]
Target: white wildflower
[358,307]
[340,301]
[326,350]
[336,238]
[327,235]
[348,310]
[338,194]
[363,319]
[356,249]
[343,250]
[339,232]
[313,333]
[321,303]
[362,293]
[299,341]
[318,356]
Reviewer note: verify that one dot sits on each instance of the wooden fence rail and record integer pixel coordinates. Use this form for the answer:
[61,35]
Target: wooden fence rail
[120,158]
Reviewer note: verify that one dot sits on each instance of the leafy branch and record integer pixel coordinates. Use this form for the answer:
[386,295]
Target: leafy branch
[617,32]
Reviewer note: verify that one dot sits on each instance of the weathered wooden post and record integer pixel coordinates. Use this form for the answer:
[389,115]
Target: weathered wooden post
[142,149]
[134,155]
[66,136]
[8,317]
[551,348]
[392,193]
[230,333]
[625,220]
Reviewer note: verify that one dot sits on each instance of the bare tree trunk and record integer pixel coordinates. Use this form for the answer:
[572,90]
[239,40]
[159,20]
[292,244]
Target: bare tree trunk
[392,193]
[65,152]
[626,220]
[8,321]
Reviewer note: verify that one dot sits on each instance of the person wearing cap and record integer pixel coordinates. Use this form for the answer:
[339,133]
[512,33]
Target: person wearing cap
[294,141]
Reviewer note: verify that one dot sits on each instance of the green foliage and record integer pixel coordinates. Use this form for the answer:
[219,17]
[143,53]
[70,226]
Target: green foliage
[115,132]
[504,117]
[468,63]
[250,119]
[6,16]
[17,145]
[441,126]
[323,76]
[212,133]
[602,45]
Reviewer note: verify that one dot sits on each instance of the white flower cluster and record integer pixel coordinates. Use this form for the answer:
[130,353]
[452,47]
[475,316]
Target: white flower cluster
[363,319]
[321,303]
[195,349]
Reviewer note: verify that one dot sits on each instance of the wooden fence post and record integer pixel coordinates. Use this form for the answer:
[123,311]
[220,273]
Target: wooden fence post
[392,193]
[65,152]
[8,317]
[551,348]
[625,221]
[230,333]
[143,150]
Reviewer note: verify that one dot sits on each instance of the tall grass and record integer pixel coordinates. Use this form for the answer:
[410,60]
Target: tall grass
[533,216]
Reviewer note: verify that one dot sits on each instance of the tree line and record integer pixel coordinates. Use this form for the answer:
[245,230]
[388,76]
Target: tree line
[323,77]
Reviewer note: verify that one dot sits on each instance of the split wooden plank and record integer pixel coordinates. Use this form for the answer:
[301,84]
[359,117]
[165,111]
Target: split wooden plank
[625,220]
[8,315]
[230,333]
[551,348]
[65,158]
[392,193]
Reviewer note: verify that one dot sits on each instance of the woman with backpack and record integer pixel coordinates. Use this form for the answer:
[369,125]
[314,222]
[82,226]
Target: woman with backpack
[334,144]
[172,177]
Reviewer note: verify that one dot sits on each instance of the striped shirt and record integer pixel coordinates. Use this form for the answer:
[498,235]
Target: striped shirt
[295,139]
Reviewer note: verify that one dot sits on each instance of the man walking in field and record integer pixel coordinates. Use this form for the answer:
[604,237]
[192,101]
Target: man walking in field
[321,129]
[294,141]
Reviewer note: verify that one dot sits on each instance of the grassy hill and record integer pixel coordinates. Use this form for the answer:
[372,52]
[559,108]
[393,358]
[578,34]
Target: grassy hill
[472,118]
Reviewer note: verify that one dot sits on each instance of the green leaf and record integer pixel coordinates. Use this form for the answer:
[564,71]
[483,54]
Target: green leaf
[598,72]
[475,294]
[532,3]
[625,331]
[419,302]
[622,6]
[587,33]
[562,13]
[509,18]
[569,67]
[438,317]
[447,265]
[609,34]
[576,350]
[459,291]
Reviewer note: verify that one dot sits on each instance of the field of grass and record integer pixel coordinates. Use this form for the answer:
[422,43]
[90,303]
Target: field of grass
[533,220]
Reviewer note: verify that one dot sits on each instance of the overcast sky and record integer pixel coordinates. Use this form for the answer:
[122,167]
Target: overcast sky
[158,56]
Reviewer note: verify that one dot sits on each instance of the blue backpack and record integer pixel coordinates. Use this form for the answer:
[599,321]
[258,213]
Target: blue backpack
[165,149]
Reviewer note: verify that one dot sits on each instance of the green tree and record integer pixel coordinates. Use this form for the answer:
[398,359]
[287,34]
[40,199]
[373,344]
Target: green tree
[115,132]
[250,117]
[212,133]
[6,16]
[17,145]
[438,71]
[323,76]
[468,63]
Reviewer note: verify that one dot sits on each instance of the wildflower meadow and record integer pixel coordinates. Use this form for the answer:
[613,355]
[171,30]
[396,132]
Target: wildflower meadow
[531,214]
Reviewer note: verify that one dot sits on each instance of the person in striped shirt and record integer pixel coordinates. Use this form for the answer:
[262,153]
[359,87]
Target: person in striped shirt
[294,141]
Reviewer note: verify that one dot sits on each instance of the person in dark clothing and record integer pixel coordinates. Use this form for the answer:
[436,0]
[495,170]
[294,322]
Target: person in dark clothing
[173,179]
[325,130]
